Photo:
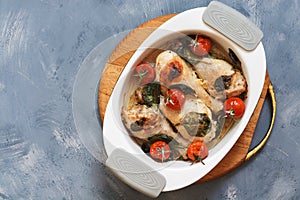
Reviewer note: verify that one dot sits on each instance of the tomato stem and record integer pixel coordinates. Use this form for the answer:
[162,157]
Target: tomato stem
[169,99]
[195,42]
[198,159]
[229,113]
[161,151]
[141,74]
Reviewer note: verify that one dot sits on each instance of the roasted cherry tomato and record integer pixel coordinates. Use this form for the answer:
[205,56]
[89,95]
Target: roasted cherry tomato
[160,150]
[234,107]
[197,151]
[201,45]
[175,99]
[145,72]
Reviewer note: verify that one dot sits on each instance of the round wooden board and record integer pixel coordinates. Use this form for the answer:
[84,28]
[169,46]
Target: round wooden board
[118,60]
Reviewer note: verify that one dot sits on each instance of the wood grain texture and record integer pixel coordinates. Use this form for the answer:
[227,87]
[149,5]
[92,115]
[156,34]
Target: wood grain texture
[121,55]
[118,60]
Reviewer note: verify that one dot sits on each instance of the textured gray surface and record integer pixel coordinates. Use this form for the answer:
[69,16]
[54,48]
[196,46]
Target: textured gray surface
[42,46]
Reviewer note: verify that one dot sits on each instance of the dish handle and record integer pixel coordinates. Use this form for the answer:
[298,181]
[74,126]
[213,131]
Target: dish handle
[233,25]
[258,147]
[135,173]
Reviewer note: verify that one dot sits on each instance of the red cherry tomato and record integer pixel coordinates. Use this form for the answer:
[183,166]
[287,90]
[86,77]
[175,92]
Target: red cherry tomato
[145,72]
[197,151]
[160,150]
[175,99]
[201,45]
[234,107]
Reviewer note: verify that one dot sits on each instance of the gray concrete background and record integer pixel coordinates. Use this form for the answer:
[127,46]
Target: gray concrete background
[42,45]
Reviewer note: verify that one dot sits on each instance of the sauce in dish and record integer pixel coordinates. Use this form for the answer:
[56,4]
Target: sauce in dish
[184,97]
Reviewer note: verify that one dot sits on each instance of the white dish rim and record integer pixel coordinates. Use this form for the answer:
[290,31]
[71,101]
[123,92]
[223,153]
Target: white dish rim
[181,174]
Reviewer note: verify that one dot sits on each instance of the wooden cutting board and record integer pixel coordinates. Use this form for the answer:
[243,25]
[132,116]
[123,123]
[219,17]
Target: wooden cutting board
[118,60]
